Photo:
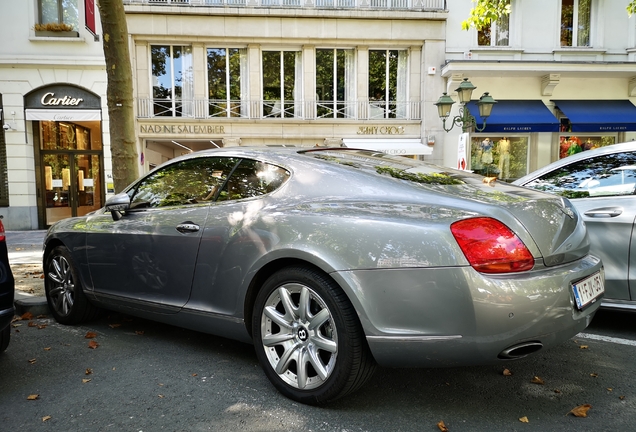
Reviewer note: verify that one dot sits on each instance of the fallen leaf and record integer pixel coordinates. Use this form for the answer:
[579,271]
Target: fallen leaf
[139,332]
[32,361]
[42,276]
[93,344]
[114,325]
[26,316]
[86,380]
[609,389]
[41,326]
[621,397]
[41,316]
[46,418]
[506,372]
[524,419]
[593,375]
[47,349]
[442,426]
[161,396]
[90,335]
[14,325]
[557,391]
[583,347]
[33,397]
[581,410]
[194,374]
[537,380]
[32,324]
[88,371]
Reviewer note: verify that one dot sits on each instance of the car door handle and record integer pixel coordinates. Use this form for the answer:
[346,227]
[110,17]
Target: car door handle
[187,228]
[601,213]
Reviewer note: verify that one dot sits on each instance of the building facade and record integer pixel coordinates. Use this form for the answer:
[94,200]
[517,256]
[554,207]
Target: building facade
[210,73]
[563,72]
[357,73]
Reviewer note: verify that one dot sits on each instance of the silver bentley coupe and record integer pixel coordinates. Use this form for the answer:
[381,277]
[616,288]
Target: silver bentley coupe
[332,261]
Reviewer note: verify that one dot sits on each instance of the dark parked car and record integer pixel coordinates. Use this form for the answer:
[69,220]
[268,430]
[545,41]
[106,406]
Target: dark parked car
[330,260]
[601,184]
[7,288]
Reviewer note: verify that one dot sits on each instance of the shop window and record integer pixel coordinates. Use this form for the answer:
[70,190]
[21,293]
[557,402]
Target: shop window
[69,136]
[388,72]
[495,34]
[499,156]
[335,83]
[58,16]
[227,82]
[572,144]
[172,81]
[282,84]
[575,23]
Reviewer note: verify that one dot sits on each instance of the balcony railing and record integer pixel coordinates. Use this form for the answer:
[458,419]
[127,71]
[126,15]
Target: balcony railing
[417,5]
[277,109]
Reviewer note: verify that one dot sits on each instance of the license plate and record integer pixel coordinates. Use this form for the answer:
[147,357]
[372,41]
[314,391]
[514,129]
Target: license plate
[587,290]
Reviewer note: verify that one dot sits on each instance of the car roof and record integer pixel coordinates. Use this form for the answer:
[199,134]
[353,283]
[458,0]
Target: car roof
[610,149]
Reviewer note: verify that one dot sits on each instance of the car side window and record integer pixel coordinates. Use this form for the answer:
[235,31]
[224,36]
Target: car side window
[607,175]
[253,178]
[191,181]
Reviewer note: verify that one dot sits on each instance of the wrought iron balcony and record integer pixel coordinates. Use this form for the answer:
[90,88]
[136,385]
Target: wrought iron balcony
[415,5]
[277,109]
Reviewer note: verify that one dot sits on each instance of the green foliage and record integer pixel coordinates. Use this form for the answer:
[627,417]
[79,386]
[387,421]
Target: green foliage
[485,12]
[631,8]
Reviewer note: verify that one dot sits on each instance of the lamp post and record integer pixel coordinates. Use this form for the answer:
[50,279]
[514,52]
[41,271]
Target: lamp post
[465,119]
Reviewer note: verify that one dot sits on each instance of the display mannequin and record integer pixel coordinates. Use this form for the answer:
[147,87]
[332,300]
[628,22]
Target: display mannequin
[503,147]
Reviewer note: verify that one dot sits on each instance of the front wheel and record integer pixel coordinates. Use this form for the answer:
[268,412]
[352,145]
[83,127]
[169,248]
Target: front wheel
[308,338]
[67,302]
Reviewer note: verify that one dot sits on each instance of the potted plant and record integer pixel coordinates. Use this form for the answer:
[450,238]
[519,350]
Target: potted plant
[55,30]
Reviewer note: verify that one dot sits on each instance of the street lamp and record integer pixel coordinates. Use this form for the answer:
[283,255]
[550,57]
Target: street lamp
[465,119]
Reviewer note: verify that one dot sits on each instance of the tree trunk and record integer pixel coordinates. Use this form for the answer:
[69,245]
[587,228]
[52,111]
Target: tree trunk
[119,92]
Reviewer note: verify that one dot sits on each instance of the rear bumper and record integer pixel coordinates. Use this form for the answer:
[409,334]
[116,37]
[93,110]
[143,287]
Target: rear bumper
[456,316]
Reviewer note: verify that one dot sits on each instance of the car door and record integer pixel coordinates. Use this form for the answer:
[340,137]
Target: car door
[602,190]
[236,234]
[149,255]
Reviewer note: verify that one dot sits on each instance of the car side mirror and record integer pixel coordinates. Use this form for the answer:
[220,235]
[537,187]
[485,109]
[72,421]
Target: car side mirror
[117,205]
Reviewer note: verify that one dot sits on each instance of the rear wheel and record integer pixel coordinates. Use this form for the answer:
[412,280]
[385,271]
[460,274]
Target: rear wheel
[5,337]
[67,302]
[308,338]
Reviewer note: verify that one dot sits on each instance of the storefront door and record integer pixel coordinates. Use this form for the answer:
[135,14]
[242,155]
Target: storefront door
[72,185]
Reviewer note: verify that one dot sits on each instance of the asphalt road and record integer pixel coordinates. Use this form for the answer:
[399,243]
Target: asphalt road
[145,376]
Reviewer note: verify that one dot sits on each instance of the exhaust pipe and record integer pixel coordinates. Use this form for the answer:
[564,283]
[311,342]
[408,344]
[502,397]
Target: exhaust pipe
[520,350]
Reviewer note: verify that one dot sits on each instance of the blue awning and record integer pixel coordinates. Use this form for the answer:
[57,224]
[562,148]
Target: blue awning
[517,116]
[599,115]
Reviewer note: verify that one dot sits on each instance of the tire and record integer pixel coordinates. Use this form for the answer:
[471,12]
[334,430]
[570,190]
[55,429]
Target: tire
[308,338]
[5,337]
[64,292]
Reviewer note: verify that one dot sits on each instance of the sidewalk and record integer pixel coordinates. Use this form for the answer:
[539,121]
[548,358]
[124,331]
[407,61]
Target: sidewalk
[25,248]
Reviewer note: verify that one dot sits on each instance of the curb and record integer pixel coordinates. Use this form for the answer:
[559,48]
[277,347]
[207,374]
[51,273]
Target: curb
[35,305]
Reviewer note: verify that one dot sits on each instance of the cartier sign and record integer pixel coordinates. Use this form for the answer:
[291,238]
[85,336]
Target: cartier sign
[49,99]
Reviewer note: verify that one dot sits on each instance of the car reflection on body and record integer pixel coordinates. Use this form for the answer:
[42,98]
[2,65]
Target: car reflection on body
[331,261]
[601,184]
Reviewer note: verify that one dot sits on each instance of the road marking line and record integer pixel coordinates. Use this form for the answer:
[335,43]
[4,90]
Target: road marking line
[607,339]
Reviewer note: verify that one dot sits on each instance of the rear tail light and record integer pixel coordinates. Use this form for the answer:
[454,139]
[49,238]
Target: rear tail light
[2,237]
[491,247]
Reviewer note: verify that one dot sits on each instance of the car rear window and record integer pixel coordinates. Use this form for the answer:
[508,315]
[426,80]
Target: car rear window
[399,167]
